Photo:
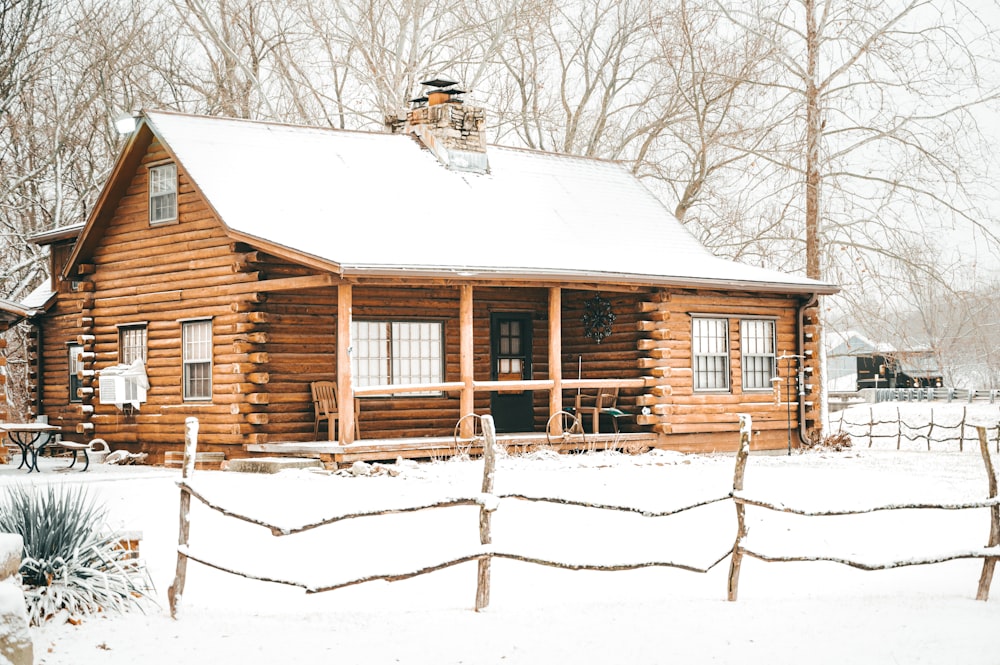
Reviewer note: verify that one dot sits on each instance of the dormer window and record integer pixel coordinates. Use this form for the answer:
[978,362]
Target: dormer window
[162,193]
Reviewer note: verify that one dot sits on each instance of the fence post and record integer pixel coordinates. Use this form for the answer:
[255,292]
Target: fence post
[176,590]
[736,559]
[899,428]
[989,563]
[961,432]
[930,431]
[486,512]
[871,425]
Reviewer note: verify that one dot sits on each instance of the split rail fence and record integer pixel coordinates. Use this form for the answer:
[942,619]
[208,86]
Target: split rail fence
[934,432]
[489,502]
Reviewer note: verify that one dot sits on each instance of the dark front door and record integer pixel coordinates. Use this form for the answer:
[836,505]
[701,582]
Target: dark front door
[510,359]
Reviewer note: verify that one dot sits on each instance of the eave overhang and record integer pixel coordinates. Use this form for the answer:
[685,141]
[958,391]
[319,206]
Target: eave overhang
[104,209]
[57,235]
[12,312]
[492,274]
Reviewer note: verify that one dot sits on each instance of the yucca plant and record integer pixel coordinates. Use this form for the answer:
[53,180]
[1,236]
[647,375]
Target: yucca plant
[72,561]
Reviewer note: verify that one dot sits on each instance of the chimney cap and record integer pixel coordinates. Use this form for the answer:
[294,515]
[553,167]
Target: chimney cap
[439,83]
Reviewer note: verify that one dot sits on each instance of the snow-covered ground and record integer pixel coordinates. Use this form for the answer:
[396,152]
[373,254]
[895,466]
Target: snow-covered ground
[786,612]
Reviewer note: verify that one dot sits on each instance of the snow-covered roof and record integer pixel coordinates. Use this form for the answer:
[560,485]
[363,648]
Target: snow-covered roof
[370,202]
[853,343]
[38,298]
[32,305]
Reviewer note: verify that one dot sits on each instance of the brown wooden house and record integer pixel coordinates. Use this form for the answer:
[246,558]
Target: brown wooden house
[233,263]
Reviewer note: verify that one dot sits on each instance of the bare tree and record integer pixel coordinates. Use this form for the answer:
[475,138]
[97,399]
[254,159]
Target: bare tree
[877,104]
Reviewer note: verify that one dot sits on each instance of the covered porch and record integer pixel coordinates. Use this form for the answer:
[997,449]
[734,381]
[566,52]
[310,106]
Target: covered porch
[475,390]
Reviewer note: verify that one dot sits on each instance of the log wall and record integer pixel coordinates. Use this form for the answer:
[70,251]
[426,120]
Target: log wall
[138,274]
[693,420]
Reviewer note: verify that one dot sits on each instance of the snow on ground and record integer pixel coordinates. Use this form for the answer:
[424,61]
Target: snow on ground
[786,612]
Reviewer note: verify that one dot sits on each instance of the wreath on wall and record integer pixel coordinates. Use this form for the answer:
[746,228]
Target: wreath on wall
[598,318]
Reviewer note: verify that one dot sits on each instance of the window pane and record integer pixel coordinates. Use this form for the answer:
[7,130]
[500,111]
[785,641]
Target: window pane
[757,339]
[197,359]
[131,344]
[74,366]
[163,193]
[396,352]
[710,353]
[370,360]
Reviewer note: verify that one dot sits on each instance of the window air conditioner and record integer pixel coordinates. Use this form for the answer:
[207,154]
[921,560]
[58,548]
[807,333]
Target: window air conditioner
[112,388]
[122,384]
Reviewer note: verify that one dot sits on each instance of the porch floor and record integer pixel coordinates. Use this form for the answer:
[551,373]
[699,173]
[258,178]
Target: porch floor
[335,455]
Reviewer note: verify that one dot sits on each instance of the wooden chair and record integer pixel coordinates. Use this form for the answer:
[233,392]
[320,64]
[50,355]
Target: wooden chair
[604,403]
[324,395]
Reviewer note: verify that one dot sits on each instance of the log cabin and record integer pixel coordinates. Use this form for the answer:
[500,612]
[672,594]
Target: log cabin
[229,264]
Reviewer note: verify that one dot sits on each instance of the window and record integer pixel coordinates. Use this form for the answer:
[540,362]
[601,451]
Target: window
[757,341]
[710,353]
[162,193]
[196,340]
[397,352]
[131,344]
[74,367]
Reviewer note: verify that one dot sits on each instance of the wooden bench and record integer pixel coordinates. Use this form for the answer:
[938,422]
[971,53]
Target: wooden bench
[95,446]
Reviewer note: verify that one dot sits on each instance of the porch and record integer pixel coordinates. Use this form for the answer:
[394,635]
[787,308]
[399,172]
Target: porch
[335,455]
[491,353]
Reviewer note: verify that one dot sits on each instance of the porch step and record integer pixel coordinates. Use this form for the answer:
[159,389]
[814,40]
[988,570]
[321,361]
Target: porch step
[271,464]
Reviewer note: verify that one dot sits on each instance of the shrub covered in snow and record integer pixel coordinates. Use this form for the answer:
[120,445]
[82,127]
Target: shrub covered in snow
[72,561]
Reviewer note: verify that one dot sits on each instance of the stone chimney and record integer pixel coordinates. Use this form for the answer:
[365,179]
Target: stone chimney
[449,128]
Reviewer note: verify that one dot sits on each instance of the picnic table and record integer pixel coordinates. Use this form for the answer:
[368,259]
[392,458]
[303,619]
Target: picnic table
[27,436]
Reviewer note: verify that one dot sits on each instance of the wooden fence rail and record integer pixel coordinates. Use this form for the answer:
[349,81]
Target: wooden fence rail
[488,503]
[933,432]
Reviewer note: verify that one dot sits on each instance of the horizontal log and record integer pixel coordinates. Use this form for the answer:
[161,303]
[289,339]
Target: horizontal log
[229,290]
[407,388]
[258,338]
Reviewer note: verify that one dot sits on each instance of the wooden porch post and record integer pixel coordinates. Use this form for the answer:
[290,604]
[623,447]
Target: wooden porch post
[345,389]
[555,357]
[467,402]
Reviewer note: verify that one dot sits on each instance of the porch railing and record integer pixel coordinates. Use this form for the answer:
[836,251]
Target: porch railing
[489,386]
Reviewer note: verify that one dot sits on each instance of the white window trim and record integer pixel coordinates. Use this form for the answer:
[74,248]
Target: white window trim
[744,355]
[726,355]
[152,196]
[186,362]
[73,350]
